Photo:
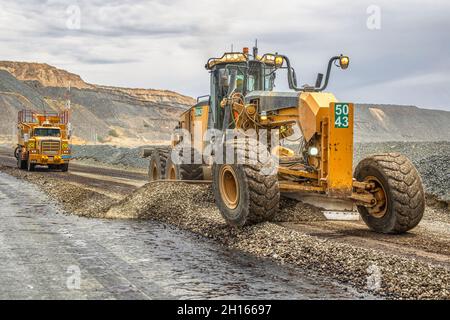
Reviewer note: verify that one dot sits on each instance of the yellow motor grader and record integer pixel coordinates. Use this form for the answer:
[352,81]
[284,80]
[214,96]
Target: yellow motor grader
[244,113]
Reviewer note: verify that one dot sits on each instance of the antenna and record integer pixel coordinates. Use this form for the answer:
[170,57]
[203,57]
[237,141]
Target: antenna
[231,47]
[68,98]
[255,49]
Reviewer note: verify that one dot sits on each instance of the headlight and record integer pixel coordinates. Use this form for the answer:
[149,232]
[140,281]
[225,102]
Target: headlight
[263,116]
[344,62]
[279,61]
[313,151]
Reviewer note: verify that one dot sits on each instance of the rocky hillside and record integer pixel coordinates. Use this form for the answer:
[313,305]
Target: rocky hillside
[47,75]
[400,123]
[99,113]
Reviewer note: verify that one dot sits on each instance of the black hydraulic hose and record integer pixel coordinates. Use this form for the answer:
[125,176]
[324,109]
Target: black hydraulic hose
[293,85]
[327,76]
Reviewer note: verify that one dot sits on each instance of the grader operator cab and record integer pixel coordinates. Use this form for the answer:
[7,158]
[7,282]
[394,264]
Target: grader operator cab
[241,140]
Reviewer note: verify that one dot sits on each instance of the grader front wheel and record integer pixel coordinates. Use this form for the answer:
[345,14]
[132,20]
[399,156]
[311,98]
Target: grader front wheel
[243,193]
[398,191]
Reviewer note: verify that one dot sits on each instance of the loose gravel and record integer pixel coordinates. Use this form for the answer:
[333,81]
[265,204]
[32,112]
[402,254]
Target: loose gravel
[192,207]
[118,156]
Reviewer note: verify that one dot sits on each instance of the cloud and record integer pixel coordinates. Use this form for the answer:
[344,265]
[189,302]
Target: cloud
[165,44]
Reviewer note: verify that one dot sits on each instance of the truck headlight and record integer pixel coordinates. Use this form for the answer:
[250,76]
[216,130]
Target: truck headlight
[313,151]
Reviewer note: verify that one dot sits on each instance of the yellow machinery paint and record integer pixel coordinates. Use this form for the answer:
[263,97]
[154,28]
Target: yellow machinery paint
[323,165]
[50,147]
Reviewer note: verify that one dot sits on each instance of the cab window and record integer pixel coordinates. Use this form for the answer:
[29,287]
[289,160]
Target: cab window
[47,132]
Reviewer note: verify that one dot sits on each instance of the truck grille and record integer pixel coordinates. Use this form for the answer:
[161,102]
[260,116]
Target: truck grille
[50,147]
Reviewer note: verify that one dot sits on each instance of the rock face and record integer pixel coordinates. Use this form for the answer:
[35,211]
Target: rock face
[98,113]
[47,75]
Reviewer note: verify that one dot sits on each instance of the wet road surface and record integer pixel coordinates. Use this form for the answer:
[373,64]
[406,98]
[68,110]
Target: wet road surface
[50,255]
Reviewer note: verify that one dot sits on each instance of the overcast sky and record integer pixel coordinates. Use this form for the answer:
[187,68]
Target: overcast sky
[399,50]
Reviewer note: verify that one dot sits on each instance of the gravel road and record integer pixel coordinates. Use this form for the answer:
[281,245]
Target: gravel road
[413,265]
[50,255]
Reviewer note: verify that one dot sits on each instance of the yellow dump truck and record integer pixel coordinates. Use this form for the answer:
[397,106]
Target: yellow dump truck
[43,140]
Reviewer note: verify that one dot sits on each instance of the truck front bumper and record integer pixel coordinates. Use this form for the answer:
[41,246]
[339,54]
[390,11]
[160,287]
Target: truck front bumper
[46,159]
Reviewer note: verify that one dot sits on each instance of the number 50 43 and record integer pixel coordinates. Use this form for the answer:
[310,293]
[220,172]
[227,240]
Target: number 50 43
[341,114]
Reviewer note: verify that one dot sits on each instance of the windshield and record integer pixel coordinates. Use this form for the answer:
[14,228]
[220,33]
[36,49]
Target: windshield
[47,132]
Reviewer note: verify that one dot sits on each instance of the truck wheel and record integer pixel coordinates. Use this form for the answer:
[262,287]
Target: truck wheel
[17,152]
[243,193]
[64,167]
[157,167]
[30,166]
[192,171]
[399,191]
[21,164]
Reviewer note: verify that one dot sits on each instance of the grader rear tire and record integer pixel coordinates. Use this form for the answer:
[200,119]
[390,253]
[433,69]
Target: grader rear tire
[157,166]
[192,171]
[244,195]
[172,170]
[399,190]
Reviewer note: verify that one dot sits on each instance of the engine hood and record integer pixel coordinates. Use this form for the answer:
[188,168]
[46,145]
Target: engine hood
[272,100]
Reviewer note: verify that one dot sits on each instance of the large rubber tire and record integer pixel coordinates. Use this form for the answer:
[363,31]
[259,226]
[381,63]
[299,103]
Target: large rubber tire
[157,166]
[64,167]
[30,166]
[403,188]
[21,164]
[191,171]
[258,194]
[172,170]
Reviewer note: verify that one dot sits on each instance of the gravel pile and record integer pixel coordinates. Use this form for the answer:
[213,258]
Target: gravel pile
[191,207]
[432,160]
[118,156]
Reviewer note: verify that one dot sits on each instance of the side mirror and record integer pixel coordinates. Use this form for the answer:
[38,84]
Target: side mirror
[344,61]
[319,80]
